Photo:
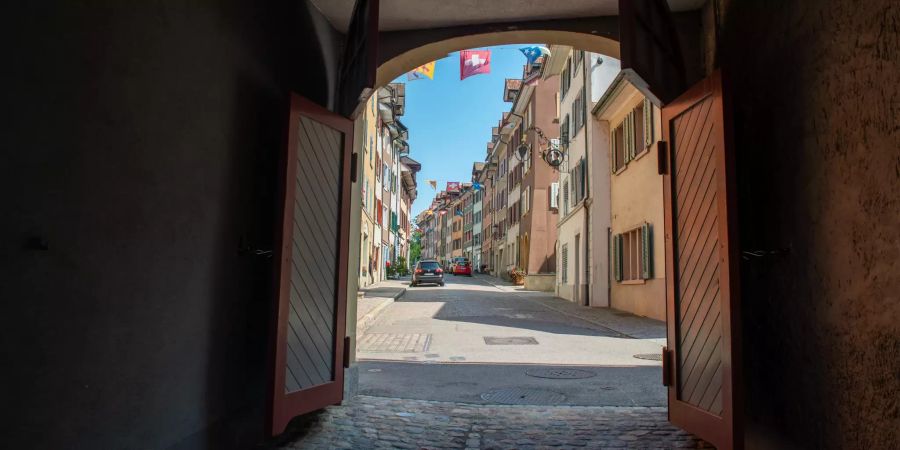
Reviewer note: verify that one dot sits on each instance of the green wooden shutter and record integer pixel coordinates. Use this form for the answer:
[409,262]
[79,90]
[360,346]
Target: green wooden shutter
[617,256]
[626,140]
[646,252]
[648,123]
[612,150]
[629,137]
[631,130]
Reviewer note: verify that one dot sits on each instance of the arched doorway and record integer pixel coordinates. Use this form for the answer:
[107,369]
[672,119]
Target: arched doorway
[716,422]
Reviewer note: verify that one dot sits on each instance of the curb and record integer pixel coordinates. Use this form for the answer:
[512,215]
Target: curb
[366,321]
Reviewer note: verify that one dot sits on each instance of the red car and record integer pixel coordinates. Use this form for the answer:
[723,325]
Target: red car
[461,266]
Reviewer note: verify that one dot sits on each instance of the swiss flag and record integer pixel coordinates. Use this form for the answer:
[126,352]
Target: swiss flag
[474,62]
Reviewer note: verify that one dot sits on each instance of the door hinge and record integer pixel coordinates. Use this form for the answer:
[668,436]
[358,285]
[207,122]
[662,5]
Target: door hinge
[346,352]
[354,166]
[666,366]
[662,157]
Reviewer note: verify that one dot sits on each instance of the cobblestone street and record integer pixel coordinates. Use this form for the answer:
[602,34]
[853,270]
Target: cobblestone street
[375,422]
[429,377]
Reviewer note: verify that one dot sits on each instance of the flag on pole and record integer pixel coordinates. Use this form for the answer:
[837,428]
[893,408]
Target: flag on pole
[458,212]
[534,52]
[476,185]
[419,73]
[432,183]
[474,62]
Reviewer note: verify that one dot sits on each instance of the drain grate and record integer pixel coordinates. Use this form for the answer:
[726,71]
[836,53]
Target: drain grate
[649,356]
[513,340]
[520,396]
[559,373]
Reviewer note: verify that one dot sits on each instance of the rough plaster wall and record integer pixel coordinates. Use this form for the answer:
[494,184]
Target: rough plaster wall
[140,142]
[816,95]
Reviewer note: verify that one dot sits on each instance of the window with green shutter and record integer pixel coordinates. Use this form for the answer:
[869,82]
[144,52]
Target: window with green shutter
[632,254]
[648,123]
[617,148]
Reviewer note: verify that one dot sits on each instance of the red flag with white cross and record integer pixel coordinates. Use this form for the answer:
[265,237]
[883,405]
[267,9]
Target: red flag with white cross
[474,62]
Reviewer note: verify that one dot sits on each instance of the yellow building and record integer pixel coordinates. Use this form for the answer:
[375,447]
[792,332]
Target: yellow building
[631,125]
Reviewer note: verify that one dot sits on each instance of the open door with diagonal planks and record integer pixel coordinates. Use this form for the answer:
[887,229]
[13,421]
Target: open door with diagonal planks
[701,365]
[312,258]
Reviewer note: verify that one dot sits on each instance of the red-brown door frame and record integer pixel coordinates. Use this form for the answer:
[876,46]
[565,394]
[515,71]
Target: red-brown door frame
[725,432]
[284,407]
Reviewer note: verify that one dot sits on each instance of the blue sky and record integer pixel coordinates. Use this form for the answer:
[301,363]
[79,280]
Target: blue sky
[450,120]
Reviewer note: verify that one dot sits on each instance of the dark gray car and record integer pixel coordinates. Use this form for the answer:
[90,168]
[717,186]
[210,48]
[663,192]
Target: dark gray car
[428,271]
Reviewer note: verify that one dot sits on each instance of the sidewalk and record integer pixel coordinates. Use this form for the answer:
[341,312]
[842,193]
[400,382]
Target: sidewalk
[622,322]
[372,300]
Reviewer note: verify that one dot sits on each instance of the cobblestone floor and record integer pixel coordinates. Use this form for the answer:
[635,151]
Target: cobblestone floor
[382,423]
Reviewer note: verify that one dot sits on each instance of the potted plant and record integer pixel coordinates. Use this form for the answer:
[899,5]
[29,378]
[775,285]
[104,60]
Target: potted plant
[517,276]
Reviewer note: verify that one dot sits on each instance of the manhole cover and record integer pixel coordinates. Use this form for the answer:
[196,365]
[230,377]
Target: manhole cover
[520,396]
[514,340]
[559,373]
[649,356]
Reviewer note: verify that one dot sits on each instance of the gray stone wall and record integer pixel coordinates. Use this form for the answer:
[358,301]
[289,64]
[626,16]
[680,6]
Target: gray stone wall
[816,96]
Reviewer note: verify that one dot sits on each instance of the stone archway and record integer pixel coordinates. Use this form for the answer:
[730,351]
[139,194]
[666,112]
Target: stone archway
[407,60]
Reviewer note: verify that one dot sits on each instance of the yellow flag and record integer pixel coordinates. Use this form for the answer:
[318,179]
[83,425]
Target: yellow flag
[426,69]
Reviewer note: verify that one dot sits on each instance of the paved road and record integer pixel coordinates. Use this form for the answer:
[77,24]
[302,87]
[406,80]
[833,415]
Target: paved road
[436,343]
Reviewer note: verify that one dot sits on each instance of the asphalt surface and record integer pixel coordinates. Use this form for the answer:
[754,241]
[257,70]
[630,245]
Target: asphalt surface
[464,341]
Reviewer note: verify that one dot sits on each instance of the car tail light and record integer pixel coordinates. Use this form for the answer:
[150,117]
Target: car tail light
[418,270]
[439,271]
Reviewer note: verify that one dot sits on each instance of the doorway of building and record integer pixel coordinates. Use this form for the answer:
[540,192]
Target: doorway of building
[630,258]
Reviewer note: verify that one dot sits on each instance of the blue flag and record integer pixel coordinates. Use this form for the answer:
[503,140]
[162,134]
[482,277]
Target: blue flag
[534,52]
[476,185]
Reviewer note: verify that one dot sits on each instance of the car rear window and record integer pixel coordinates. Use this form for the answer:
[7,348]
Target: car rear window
[429,265]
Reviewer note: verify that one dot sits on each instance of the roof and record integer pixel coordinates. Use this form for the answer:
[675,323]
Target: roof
[511,88]
[413,165]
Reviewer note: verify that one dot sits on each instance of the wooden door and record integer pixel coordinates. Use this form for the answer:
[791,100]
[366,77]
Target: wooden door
[701,362]
[308,372]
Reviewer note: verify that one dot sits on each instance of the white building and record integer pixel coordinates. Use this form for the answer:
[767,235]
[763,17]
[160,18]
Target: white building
[582,248]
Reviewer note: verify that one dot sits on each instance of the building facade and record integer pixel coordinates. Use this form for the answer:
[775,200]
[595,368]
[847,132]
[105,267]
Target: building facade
[583,199]
[632,126]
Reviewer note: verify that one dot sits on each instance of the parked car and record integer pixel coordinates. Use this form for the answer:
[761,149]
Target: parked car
[461,266]
[428,271]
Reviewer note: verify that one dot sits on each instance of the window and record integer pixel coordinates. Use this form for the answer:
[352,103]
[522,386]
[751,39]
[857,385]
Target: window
[578,113]
[525,205]
[632,137]
[377,167]
[556,103]
[579,181]
[579,57]
[564,133]
[565,263]
[566,197]
[632,254]
[648,123]
[378,211]
[617,148]
[554,195]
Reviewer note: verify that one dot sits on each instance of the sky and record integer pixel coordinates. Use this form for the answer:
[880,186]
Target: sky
[450,120]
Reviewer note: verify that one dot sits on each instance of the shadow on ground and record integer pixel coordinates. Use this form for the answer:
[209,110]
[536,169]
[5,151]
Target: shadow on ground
[465,383]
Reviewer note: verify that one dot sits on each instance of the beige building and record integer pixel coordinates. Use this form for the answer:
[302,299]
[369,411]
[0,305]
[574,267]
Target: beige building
[631,124]
[369,270]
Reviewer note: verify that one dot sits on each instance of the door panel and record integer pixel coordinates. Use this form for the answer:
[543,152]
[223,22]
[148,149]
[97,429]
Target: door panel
[701,266]
[312,264]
